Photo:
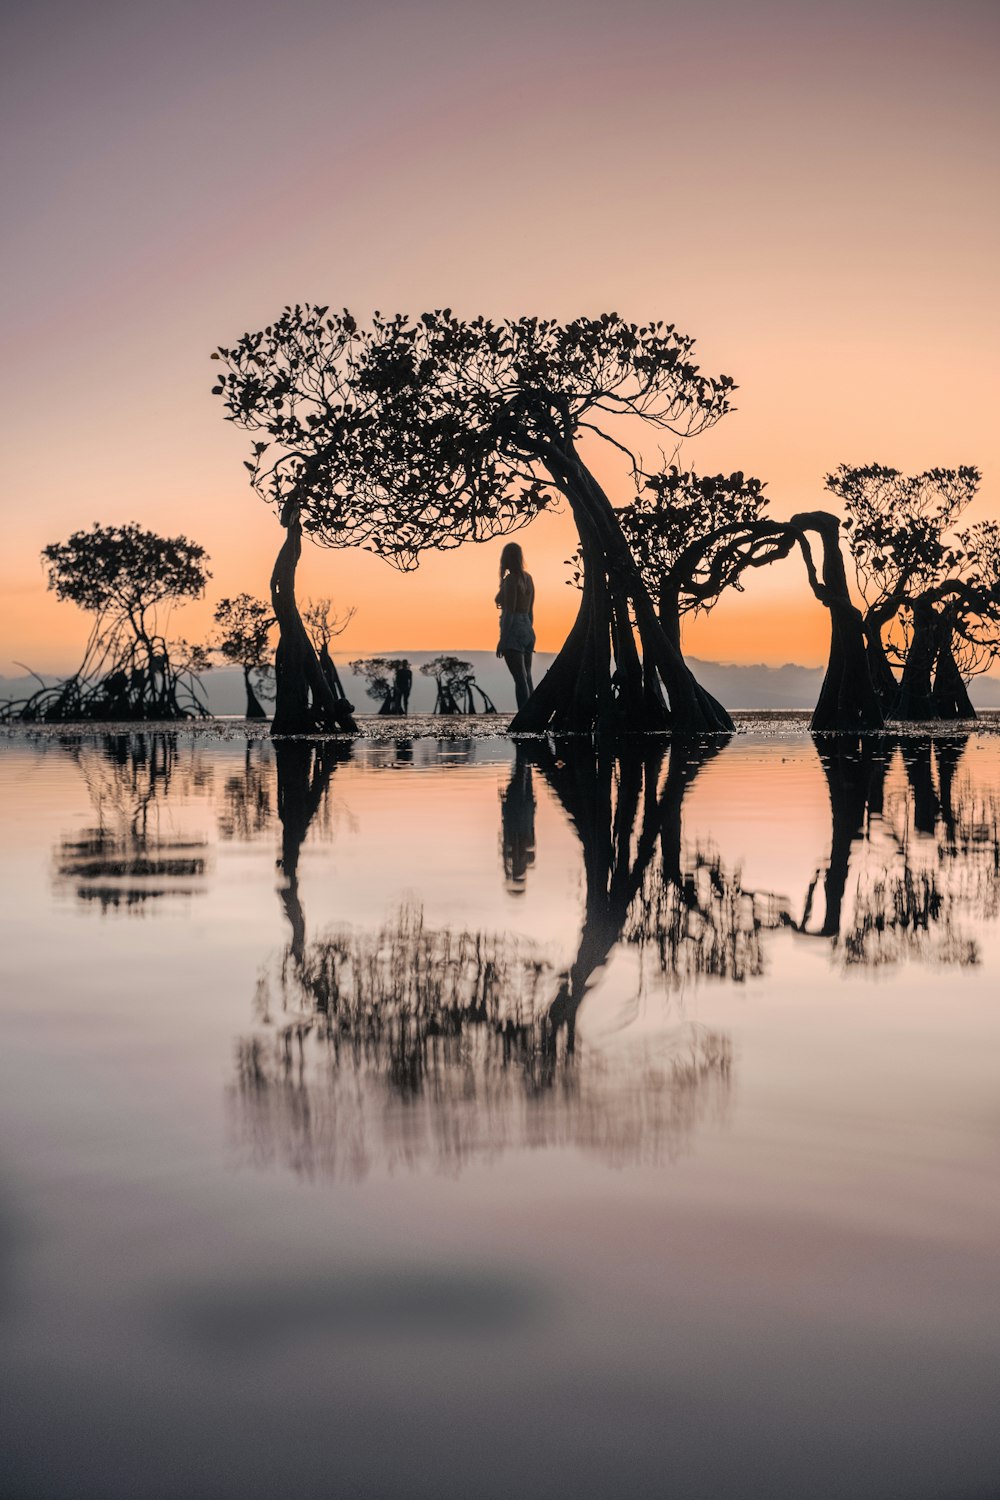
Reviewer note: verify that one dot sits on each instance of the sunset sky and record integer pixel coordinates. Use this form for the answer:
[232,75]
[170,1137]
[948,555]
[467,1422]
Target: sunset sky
[809,189]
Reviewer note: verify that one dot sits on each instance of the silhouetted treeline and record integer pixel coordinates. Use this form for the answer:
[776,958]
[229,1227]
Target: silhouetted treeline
[404,436]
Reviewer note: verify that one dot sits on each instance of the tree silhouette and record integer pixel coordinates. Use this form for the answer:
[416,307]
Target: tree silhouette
[243,637]
[930,597]
[127,578]
[675,509]
[669,528]
[378,673]
[127,859]
[711,562]
[456,684]
[432,432]
[323,623]
[385,679]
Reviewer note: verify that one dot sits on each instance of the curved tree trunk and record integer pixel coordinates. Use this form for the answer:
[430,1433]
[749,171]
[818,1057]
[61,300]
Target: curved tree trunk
[304,702]
[949,693]
[916,700]
[883,678]
[578,692]
[331,677]
[254,708]
[847,699]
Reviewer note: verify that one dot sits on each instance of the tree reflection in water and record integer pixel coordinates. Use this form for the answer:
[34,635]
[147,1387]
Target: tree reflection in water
[411,1043]
[914,867]
[128,859]
[247,810]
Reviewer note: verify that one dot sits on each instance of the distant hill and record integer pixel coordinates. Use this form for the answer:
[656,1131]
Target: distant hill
[758,687]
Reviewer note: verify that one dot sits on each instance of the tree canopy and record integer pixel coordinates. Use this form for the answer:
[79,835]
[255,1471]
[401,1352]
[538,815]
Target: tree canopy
[243,637]
[680,526]
[928,601]
[125,569]
[429,432]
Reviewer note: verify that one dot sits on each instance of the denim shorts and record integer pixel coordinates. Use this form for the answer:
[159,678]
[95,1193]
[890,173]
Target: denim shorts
[517,633]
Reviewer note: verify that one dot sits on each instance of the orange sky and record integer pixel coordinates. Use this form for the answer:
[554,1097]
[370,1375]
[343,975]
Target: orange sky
[809,189]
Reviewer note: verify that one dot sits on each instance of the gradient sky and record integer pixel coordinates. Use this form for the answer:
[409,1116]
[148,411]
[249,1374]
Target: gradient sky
[810,189]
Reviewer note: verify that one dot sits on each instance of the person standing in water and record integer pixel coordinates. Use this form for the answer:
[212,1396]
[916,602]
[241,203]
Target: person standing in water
[516,600]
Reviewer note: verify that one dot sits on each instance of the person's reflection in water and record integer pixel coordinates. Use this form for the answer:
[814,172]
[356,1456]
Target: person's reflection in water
[517,822]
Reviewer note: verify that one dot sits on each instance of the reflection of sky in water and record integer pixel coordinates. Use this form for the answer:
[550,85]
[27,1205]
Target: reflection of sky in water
[653,1122]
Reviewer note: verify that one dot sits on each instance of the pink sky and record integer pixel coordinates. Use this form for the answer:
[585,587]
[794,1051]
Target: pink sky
[809,189]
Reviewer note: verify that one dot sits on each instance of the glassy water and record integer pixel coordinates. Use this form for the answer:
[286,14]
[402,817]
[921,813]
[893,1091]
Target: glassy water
[423,1118]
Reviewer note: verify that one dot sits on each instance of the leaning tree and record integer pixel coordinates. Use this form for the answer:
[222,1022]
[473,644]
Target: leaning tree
[428,433]
[671,511]
[696,536]
[128,580]
[322,623]
[291,381]
[243,637]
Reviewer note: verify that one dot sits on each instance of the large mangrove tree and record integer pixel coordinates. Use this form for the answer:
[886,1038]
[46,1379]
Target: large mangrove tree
[426,433]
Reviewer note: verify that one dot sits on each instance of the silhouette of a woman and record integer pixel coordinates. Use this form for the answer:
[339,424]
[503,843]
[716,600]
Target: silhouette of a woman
[516,600]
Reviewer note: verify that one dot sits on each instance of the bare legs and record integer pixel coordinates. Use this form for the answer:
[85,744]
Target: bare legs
[519,666]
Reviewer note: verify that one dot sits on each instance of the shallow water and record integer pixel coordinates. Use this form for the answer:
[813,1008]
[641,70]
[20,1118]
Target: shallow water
[418,1118]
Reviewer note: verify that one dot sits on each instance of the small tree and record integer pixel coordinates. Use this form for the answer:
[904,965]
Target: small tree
[382,675]
[323,623]
[128,579]
[675,510]
[429,433]
[452,676]
[948,631]
[243,638]
[975,644]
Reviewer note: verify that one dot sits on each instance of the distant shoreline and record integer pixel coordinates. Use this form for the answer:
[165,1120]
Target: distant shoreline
[380,729]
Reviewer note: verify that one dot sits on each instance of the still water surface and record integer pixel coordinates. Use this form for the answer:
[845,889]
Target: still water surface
[421,1118]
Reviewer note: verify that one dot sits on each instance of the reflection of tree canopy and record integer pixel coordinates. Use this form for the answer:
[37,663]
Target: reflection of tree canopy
[411,1041]
[127,858]
[704,922]
[911,865]
[408,1042]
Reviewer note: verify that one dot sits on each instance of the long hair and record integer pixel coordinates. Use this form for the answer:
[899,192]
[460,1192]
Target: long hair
[512,561]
